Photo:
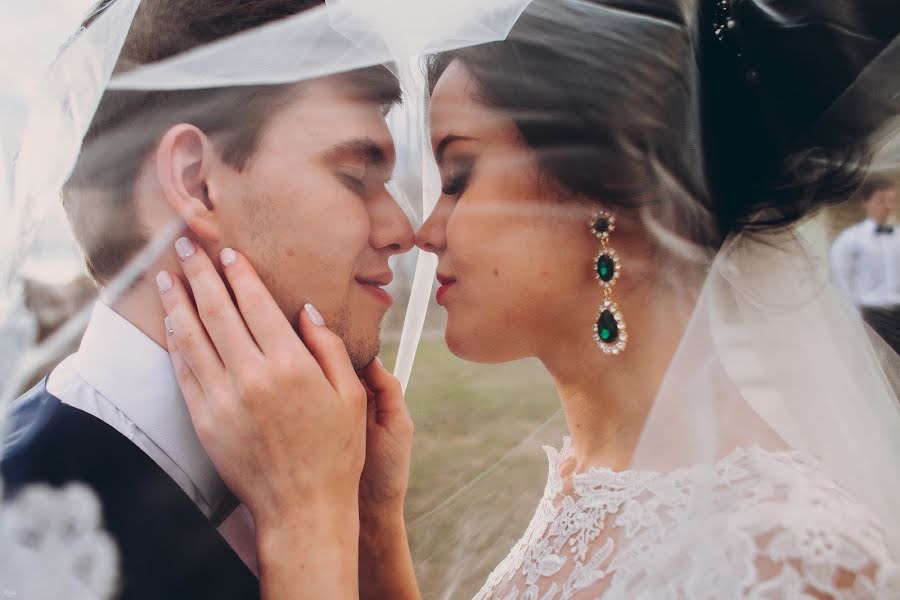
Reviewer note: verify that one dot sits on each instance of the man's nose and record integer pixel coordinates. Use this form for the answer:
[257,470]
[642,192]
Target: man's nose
[391,228]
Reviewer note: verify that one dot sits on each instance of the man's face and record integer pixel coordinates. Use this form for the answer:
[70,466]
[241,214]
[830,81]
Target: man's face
[881,205]
[311,212]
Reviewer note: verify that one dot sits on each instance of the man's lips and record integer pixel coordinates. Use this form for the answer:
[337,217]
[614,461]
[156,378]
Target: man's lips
[375,284]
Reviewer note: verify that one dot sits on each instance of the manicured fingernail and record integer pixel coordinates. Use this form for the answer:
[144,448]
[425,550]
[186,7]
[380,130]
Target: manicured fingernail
[228,256]
[314,315]
[163,281]
[169,326]
[185,248]
[378,360]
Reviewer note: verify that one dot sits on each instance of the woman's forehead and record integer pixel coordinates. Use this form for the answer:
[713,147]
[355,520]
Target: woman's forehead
[457,109]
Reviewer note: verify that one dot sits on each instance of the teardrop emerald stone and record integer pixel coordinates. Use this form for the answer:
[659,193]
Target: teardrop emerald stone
[607,328]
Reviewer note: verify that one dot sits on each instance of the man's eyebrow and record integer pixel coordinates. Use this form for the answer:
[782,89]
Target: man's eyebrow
[363,148]
[442,146]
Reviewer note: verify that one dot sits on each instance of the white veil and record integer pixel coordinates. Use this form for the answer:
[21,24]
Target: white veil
[340,36]
[772,356]
[766,332]
[47,529]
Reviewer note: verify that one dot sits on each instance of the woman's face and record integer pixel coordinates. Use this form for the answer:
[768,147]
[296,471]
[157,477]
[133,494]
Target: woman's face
[515,252]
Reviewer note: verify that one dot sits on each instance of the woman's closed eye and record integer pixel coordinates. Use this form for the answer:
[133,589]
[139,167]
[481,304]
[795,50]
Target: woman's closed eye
[457,180]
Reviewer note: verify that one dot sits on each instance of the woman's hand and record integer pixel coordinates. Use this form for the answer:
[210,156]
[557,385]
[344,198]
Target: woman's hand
[385,562]
[282,417]
[389,435]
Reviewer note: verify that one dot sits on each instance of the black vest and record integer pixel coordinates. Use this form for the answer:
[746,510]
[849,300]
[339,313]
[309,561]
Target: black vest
[168,549]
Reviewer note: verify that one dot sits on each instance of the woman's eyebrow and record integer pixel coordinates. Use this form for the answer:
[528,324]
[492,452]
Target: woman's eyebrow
[446,141]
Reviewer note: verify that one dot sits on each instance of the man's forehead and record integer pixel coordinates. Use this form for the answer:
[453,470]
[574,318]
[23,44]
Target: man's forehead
[334,101]
[327,116]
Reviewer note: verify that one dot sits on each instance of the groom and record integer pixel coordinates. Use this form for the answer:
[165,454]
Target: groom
[291,175]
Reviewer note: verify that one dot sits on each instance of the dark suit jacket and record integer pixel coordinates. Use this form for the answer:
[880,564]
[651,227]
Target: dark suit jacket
[168,549]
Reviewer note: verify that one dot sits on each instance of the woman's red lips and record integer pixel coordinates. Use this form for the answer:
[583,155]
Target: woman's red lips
[445,282]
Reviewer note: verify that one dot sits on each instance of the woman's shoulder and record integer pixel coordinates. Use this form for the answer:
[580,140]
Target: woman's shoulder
[755,524]
[775,521]
[788,489]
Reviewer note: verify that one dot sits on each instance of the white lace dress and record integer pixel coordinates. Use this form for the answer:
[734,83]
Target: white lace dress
[758,524]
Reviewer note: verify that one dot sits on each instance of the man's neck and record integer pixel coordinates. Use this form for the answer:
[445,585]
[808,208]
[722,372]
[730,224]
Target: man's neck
[141,306]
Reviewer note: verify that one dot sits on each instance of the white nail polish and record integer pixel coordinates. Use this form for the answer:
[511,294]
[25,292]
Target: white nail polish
[184,248]
[163,282]
[314,315]
[228,257]
[169,326]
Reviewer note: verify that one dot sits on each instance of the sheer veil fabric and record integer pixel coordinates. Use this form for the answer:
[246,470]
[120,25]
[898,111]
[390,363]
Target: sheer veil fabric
[774,369]
[335,38]
[777,399]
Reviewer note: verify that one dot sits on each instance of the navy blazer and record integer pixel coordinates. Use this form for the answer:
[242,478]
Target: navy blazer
[168,549]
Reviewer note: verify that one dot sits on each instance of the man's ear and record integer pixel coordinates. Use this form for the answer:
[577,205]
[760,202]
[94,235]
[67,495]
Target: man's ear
[184,158]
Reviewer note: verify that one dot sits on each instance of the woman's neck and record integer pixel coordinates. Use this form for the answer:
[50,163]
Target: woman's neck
[607,398]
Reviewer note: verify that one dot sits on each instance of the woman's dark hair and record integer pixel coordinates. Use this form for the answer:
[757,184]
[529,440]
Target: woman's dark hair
[717,112]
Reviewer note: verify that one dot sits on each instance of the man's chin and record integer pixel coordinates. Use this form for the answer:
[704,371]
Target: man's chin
[362,347]
[362,340]
[362,353]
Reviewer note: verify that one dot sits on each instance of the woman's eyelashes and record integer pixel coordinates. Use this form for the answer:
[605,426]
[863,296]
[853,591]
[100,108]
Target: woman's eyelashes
[457,179]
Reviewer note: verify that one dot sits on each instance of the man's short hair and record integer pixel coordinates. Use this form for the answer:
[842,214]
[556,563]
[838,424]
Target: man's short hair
[127,126]
[874,184]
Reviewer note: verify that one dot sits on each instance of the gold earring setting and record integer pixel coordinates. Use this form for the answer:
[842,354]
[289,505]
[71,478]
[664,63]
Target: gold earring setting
[609,328]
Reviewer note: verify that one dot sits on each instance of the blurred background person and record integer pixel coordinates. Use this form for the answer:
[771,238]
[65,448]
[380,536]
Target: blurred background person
[865,260]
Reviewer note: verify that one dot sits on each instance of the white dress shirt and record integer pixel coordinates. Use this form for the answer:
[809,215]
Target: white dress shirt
[122,377]
[866,265]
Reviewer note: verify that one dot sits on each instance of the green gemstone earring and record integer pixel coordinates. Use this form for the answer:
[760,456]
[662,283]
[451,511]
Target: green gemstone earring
[609,329]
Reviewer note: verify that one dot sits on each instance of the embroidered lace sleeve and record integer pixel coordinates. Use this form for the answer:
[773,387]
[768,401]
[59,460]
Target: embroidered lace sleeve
[756,525]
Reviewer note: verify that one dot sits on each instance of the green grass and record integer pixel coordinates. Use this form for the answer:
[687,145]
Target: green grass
[464,509]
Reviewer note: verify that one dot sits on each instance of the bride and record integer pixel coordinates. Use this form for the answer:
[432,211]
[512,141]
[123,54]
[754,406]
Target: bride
[623,185]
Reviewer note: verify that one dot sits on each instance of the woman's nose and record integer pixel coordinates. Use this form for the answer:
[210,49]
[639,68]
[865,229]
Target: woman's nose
[432,235]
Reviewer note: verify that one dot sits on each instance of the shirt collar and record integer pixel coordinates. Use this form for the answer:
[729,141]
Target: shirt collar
[872,225]
[136,375]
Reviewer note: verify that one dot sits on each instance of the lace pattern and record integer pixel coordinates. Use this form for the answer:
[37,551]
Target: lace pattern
[52,546]
[757,524]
